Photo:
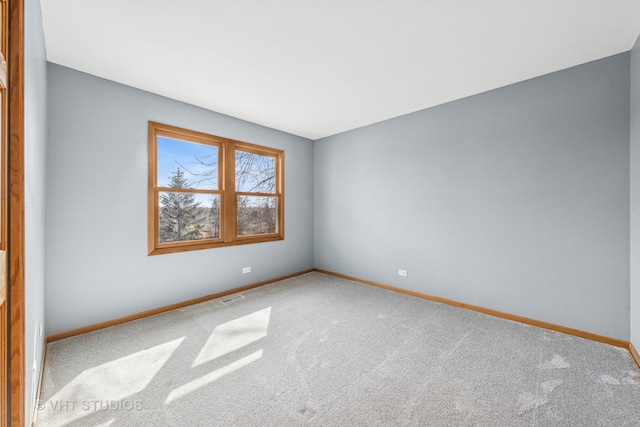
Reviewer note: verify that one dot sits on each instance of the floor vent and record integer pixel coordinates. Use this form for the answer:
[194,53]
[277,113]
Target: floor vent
[231,299]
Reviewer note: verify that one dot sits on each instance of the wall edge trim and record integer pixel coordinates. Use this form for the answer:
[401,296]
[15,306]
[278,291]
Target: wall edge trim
[634,354]
[36,406]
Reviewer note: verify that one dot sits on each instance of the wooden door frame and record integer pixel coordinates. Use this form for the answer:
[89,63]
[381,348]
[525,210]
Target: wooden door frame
[16,229]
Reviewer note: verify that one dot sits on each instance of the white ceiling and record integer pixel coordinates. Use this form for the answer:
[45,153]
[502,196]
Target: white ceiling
[319,67]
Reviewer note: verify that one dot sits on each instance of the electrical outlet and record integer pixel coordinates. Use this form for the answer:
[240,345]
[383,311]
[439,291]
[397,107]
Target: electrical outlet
[403,273]
[246,270]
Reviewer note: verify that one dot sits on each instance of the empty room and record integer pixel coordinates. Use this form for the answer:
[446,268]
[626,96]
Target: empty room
[320,213]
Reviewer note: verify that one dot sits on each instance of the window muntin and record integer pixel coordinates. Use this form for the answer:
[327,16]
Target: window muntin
[206,191]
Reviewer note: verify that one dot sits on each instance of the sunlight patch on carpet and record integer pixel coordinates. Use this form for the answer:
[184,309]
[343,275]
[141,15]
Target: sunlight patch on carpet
[109,382]
[212,376]
[233,335]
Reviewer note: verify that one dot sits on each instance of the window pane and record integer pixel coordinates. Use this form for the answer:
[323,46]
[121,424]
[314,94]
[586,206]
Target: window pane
[188,216]
[257,215]
[183,164]
[255,173]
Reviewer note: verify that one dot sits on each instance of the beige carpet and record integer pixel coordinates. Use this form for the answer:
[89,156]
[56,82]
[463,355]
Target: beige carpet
[320,351]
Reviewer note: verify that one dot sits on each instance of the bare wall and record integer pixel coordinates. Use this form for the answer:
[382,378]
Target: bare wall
[516,199]
[35,109]
[635,195]
[97,263]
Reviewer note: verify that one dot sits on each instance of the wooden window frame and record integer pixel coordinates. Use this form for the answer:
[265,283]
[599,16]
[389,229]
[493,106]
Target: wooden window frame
[226,189]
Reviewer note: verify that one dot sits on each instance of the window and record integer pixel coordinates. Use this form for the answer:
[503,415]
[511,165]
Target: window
[206,191]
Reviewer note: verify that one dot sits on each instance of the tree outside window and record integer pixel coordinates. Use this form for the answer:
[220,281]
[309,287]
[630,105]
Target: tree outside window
[206,191]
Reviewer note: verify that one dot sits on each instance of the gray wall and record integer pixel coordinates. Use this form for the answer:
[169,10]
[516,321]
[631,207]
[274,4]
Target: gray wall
[635,195]
[97,263]
[515,199]
[35,206]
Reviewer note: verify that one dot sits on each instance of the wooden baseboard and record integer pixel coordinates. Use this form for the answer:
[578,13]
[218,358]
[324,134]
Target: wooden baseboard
[634,354]
[546,325]
[147,313]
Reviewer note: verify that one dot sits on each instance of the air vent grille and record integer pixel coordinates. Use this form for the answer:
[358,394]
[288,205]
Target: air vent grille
[231,299]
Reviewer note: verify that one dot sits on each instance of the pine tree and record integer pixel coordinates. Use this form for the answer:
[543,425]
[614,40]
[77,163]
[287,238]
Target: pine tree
[179,212]
[214,217]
